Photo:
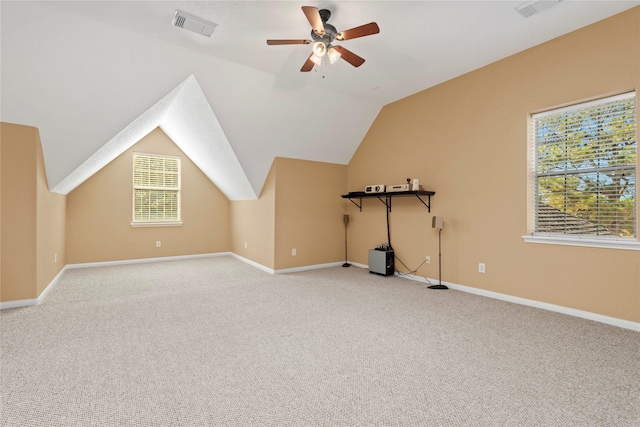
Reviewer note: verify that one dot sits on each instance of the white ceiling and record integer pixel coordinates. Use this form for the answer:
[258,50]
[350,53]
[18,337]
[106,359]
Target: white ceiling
[86,72]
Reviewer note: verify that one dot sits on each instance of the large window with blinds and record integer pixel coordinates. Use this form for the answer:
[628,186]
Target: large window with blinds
[585,169]
[156,190]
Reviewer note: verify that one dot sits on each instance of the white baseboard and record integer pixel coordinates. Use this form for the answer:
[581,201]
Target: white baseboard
[614,321]
[359,265]
[307,267]
[252,263]
[41,297]
[145,260]
[18,303]
[50,286]
[621,323]
[33,301]
[284,270]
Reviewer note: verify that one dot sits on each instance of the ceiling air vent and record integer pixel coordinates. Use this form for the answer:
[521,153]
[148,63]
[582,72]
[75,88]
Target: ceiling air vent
[192,23]
[530,8]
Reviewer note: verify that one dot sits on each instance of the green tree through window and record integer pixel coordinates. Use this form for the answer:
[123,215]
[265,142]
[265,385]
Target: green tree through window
[585,168]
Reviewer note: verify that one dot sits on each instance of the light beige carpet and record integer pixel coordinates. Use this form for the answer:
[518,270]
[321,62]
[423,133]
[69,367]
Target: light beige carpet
[215,342]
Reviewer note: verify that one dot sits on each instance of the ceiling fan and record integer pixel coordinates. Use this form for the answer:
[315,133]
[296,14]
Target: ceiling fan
[324,34]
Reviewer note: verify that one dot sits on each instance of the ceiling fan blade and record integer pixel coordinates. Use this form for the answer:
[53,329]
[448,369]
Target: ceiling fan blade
[313,16]
[308,65]
[361,31]
[349,56]
[278,42]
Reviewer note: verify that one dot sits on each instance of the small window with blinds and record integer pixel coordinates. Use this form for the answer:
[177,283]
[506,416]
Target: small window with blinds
[156,190]
[585,169]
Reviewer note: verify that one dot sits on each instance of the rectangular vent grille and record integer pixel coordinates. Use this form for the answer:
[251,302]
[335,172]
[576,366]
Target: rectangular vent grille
[180,21]
[193,23]
[530,8]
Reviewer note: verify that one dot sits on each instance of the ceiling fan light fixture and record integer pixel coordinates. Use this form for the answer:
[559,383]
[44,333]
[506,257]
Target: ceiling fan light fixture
[333,55]
[319,49]
[316,59]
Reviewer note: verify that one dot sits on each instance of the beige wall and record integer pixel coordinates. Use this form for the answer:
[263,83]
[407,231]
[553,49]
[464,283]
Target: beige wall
[32,218]
[466,139]
[309,212]
[50,225]
[99,213]
[300,207]
[252,225]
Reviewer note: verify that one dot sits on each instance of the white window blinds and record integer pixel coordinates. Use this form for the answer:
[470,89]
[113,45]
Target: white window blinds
[585,169]
[156,187]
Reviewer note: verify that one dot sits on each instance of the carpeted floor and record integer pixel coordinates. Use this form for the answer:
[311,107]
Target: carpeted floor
[215,342]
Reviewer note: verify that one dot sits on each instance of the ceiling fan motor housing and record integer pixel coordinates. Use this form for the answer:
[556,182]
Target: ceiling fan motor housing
[330,31]
[325,14]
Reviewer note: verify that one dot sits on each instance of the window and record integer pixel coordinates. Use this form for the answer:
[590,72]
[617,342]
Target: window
[156,190]
[585,170]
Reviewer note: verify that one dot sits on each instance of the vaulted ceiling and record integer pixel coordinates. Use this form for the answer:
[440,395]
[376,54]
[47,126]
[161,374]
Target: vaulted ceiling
[96,76]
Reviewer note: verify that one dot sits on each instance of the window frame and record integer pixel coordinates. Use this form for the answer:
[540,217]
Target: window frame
[588,240]
[177,190]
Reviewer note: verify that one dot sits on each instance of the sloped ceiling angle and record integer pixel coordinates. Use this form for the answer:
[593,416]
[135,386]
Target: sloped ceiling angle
[185,115]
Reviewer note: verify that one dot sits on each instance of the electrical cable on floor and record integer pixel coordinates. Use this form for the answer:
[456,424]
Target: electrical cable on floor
[413,273]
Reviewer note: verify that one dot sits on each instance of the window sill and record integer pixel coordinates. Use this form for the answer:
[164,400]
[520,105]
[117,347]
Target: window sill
[157,224]
[630,245]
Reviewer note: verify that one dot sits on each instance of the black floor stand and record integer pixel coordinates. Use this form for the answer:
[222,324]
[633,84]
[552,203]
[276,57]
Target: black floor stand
[346,259]
[439,285]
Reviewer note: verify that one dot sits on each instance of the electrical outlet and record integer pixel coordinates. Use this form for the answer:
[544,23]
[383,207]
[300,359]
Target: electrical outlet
[427,259]
[55,258]
[158,243]
[481,267]
[245,245]
[293,252]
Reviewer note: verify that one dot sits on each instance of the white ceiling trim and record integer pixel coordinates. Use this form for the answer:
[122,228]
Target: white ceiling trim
[193,126]
[187,118]
[125,139]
